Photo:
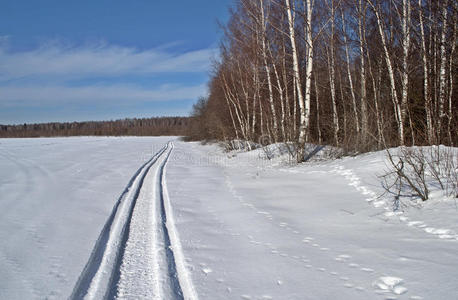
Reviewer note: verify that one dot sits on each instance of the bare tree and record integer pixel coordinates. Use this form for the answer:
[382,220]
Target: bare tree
[394,94]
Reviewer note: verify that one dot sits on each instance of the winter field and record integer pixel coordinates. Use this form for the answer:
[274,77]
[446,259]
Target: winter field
[157,218]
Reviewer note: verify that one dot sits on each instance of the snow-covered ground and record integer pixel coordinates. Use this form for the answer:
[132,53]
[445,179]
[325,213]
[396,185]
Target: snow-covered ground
[55,196]
[198,222]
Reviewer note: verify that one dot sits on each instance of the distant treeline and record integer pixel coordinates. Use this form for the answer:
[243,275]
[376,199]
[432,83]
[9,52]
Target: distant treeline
[137,127]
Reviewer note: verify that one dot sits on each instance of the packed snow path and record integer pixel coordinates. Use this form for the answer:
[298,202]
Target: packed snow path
[138,254]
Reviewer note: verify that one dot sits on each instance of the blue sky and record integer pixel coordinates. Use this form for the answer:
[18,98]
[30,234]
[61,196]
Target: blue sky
[101,60]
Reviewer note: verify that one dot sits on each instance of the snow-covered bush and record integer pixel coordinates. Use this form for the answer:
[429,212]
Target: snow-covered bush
[415,172]
[240,145]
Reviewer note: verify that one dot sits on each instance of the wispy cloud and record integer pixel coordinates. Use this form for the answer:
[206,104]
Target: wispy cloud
[98,78]
[57,60]
[117,95]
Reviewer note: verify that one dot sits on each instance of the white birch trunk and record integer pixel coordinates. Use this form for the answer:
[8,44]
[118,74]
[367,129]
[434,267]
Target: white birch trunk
[282,100]
[267,68]
[451,76]
[331,68]
[309,66]
[364,117]
[442,71]
[297,79]
[223,82]
[405,58]
[394,95]
[427,95]
[318,127]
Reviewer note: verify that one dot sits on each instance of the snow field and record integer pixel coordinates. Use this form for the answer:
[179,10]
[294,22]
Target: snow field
[302,232]
[195,222]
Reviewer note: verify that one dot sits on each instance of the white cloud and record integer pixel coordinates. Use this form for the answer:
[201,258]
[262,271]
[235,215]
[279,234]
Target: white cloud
[39,83]
[42,96]
[56,60]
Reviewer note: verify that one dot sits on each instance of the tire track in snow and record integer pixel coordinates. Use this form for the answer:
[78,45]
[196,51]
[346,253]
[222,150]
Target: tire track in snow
[174,249]
[171,288]
[153,264]
[96,279]
[139,253]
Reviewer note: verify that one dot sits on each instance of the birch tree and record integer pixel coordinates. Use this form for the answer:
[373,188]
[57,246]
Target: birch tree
[442,71]
[389,65]
[304,113]
[406,11]
[426,92]
[331,68]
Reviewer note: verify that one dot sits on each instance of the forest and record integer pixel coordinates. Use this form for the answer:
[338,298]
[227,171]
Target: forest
[138,127]
[357,74]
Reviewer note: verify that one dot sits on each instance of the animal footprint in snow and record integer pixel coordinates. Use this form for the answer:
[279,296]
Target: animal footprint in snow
[415,223]
[342,257]
[369,270]
[353,265]
[307,239]
[391,284]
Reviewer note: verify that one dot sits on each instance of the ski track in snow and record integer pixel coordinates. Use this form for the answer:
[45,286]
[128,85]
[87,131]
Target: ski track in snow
[355,181]
[388,286]
[138,253]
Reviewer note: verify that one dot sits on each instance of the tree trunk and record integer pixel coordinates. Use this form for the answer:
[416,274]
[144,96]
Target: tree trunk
[267,68]
[303,113]
[405,58]
[331,68]
[361,25]
[442,75]
[427,95]
[394,94]
[350,81]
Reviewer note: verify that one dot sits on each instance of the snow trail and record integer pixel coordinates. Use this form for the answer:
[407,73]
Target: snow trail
[138,254]
[95,281]
[187,288]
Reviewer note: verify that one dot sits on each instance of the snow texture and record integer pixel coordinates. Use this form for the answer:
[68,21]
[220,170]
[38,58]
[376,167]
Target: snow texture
[142,218]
